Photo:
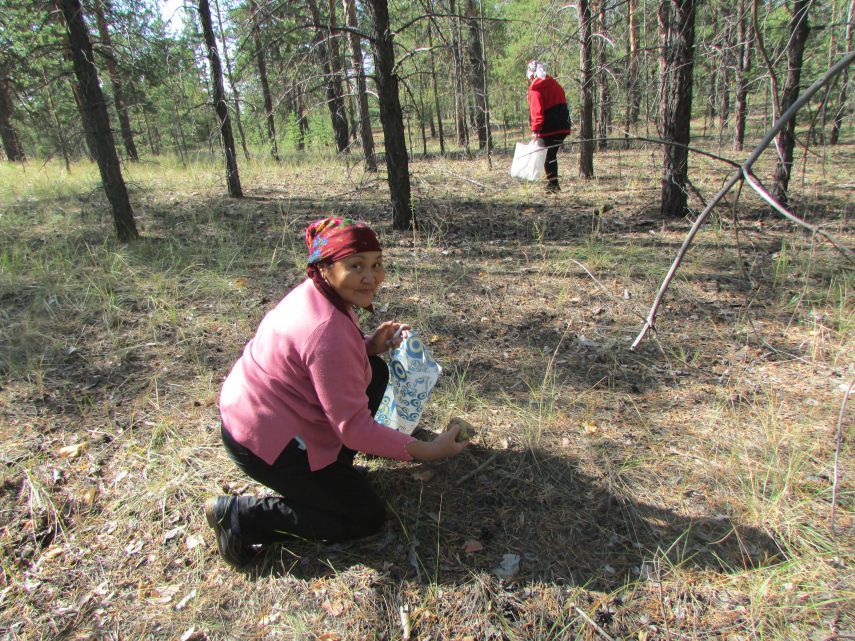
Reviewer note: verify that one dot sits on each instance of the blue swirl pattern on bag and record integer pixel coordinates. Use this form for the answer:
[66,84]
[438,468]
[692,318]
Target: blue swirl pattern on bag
[412,374]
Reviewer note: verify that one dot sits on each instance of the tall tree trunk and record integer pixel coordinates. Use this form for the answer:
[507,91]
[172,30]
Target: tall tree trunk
[261,61]
[235,92]
[743,68]
[724,69]
[332,80]
[92,99]
[477,69]
[633,86]
[356,62]
[115,81]
[586,102]
[220,107]
[799,30]
[844,78]
[459,92]
[11,142]
[604,114]
[63,145]
[397,164]
[436,88]
[676,63]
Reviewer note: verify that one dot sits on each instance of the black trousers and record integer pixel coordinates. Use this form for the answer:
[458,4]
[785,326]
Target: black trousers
[550,166]
[331,504]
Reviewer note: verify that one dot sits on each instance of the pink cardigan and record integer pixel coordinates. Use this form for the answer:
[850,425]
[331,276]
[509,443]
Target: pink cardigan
[305,373]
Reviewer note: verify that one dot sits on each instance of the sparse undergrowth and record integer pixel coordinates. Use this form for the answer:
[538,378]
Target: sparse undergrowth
[683,491]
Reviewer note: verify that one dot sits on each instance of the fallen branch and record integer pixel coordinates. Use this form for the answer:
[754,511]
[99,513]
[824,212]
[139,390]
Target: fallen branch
[474,471]
[736,177]
[591,622]
[839,443]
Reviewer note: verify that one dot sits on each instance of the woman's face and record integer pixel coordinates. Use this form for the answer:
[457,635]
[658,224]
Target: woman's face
[356,278]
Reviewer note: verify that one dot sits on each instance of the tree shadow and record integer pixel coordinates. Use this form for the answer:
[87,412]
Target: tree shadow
[565,526]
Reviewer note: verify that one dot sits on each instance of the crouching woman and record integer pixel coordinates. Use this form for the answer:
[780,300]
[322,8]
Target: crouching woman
[300,401]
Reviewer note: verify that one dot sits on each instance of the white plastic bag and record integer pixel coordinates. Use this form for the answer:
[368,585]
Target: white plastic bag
[528,162]
[412,374]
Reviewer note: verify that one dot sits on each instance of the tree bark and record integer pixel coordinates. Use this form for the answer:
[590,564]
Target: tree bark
[397,164]
[356,62]
[586,102]
[9,135]
[633,86]
[435,85]
[220,107]
[92,98]
[116,81]
[676,63]
[477,68]
[332,80]
[844,79]
[743,68]
[604,113]
[459,93]
[261,61]
[230,76]
[799,30]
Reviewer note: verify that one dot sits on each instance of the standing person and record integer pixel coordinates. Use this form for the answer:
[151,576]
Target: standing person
[300,402]
[548,116]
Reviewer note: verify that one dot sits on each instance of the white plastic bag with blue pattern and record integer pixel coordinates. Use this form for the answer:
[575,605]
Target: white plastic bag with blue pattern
[412,374]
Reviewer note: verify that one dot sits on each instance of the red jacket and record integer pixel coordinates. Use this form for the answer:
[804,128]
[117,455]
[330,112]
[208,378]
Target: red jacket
[547,104]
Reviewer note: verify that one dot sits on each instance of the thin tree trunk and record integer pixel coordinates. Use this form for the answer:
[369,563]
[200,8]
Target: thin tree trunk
[586,102]
[116,81]
[676,62]
[92,99]
[220,107]
[63,145]
[435,90]
[633,85]
[743,68]
[478,80]
[232,82]
[332,80]
[11,142]
[604,114]
[356,62]
[799,30]
[459,92]
[261,61]
[844,80]
[397,164]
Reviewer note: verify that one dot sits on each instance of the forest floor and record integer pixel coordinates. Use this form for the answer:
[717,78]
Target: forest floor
[700,487]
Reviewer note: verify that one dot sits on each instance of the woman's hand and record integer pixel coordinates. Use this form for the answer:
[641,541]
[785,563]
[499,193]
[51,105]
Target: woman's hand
[384,337]
[441,447]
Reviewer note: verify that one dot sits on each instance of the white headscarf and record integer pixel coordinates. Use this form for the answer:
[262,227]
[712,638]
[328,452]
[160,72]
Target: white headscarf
[535,70]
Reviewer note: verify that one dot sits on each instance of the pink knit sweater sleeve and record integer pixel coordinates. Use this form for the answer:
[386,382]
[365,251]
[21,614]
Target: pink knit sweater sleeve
[336,360]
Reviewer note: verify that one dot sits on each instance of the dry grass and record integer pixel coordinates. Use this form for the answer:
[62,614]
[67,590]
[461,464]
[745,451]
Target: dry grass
[679,492]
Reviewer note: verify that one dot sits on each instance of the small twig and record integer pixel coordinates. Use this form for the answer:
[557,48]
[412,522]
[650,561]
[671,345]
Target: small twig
[591,622]
[471,473]
[474,182]
[601,286]
[406,626]
[839,443]
[765,195]
[662,600]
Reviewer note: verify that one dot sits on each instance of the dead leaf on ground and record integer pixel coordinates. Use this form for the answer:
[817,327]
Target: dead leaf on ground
[71,451]
[471,546]
[423,475]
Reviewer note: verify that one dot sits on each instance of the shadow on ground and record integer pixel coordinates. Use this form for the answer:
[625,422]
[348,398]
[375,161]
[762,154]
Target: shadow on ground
[566,528]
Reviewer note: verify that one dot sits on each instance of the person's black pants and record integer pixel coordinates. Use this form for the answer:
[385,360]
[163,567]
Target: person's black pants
[332,504]
[550,166]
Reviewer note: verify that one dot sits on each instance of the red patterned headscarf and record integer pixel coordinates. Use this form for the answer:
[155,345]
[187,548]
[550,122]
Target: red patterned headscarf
[331,239]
